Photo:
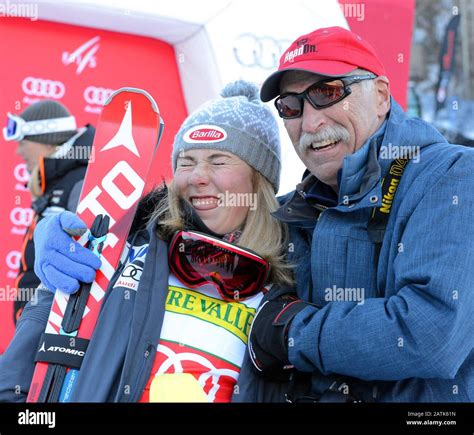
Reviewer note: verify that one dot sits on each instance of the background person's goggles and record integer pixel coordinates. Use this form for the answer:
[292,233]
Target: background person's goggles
[196,259]
[17,128]
[321,94]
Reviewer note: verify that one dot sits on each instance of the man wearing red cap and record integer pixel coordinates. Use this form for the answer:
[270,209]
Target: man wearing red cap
[381,229]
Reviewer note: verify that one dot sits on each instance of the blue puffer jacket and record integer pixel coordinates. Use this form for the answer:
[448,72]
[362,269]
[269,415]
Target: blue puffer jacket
[405,330]
[120,354]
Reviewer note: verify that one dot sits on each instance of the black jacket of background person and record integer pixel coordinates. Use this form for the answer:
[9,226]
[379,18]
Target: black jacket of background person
[61,182]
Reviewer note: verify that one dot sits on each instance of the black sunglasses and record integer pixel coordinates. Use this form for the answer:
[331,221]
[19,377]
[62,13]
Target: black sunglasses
[321,94]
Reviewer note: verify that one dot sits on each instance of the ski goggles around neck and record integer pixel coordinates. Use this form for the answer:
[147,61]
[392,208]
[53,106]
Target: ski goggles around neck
[17,128]
[321,94]
[197,259]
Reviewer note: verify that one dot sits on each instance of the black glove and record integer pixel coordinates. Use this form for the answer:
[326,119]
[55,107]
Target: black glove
[268,337]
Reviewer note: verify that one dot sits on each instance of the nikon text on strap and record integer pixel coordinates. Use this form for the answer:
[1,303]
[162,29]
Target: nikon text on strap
[379,216]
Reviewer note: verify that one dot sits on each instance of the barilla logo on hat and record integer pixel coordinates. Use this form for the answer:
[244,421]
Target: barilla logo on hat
[303,48]
[205,133]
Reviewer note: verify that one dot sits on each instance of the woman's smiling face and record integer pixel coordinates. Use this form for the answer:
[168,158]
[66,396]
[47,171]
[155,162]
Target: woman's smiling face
[205,178]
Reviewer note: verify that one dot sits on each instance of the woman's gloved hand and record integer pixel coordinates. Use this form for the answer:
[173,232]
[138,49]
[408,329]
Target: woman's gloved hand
[61,262]
[268,337]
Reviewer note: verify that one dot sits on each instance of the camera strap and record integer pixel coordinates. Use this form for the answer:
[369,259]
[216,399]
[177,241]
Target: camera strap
[379,217]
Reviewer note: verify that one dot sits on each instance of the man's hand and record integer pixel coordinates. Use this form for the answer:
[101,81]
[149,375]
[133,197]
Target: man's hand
[268,337]
[61,262]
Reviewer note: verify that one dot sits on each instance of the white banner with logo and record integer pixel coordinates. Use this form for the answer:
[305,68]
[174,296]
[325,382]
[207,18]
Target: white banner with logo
[215,43]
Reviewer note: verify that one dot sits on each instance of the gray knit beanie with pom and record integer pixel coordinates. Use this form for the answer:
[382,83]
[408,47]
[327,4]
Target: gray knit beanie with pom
[238,123]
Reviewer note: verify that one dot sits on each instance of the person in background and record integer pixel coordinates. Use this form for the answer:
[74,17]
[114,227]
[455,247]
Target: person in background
[56,154]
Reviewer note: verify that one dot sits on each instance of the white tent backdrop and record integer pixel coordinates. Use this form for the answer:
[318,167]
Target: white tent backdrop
[215,41]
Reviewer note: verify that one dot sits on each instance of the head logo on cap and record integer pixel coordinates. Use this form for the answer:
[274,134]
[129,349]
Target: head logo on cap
[303,48]
[205,133]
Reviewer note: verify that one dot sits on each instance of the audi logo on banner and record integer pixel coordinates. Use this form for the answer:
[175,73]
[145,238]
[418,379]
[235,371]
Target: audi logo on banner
[21,173]
[22,177]
[95,95]
[43,87]
[13,259]
[21,216]
[259,51]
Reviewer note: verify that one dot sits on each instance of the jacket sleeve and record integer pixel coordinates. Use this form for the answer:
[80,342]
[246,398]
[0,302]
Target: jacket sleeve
[426,328]
[17,363]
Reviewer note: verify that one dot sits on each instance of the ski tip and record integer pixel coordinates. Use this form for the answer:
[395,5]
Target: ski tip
[138,91]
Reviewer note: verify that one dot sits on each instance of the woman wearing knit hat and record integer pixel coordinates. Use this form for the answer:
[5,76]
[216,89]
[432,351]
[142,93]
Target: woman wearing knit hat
[46,132]
[202,256]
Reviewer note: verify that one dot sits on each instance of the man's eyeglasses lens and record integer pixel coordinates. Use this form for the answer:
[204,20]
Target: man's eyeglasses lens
[321,94]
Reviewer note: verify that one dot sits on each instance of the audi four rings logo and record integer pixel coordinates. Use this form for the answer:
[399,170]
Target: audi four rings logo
[13,259]
[131,271]
[94,95]
[21,216]
[259,51]
[43,87]
[21,173]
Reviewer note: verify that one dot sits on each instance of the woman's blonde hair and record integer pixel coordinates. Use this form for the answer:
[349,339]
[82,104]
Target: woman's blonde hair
[262,233]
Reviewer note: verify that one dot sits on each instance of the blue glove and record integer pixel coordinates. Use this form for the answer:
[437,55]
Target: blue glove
[61,262]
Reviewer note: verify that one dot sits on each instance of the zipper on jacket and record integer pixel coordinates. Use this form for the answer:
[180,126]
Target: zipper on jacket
[320,214]
[146,355]
[320,207]
[150,347]
[306,234]
[310,253]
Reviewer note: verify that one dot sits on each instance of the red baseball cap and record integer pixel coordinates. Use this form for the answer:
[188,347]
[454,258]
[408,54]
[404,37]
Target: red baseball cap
[330,51]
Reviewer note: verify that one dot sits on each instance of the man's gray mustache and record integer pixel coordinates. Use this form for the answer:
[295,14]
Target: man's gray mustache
[332,134]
